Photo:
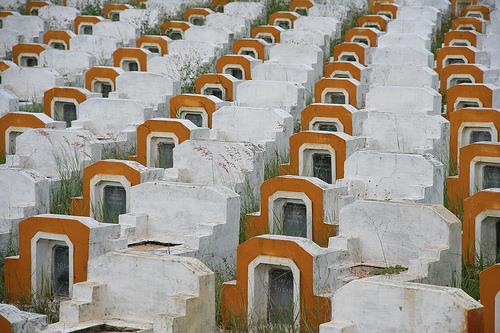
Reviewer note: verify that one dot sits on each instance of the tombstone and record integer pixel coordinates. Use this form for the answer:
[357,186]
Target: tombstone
[222,37]
[270,128]
[449,55]
[132,59]
[394,55]
[13,124]
[298,73]
[269,33]
[113,11]
[378,22]
[140,17]
[353,52]
[297,54]
[403,76]
[214,209]
[251,11]
[8,38]
[283,19]
[30,83]
[222,86]
[488,280]
[62,248]
[404,40]
[288,96]
[469,24]
[84,25]
[320,154]
[240,67]
[100,47]
[307,37]
[154,44]
[394,176]
[175,29]
[61,103]
[404,100]
[58,17]
[123,32]
[17,321]
[27,54]
[69,64]
[238,25]
[327,25]
[29,27]
[467,73]
[195,107]
[25,193]
[471,125]
[153,90]
[463,38]
[280,285]
[454,304]
[390,10]
[333,118]
[111,118]
[254,47]
[340,91]
[481,237]
[297,206]
[53,152]
[196,16]
[101,79]
[8,102]
[469,95]
[187,276]
[346,70]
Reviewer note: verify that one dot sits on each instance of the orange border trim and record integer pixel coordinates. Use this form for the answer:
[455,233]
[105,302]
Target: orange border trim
[473,206]
[258,223]
[17,119]
[80,206]
[114,7]
[356,48]
[17,270]
[464,69]
[477,8]
[354,68]
[489,286]
[467,115]
[235,59]
[468,52]
[326,111]
[161,41]
[363,32]
[469,35]
[21,48]
[178,25]
[57,35]
[196,11]
[259,45]
[385,7]
[133,53]
[192,100]
[315,137]
[213,78]
[85,19]
[480,91]
[268,29]
[286,15]
[381,20]
[474,21]
[166,125]
[328,83]
[97,72]
[63,92]
[315,310]
[459,186]
[35,5]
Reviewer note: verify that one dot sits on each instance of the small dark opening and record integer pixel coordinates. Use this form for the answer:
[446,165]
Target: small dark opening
[165,155]
[322,167]
[114,203]
[60,270]
[115,17]
[294,219]
[491,176]
[280,296]
[195,118]
[478,136]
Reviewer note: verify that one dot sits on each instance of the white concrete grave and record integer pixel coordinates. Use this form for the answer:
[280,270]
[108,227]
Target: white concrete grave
[182,300]
[274,71]
[403,100]
[288,96]
[395,176]
[402,76]
[22,321]
[100,47]
[53,152]
[123,32]
[70,64]
[298,54]
[58,17]
[8,102]
[154,90]
[29,27]
[140,18]
[268,127]
[8,38]
[190,220]
[30,83]
[222,37]
[394,55]
[249,10]
[112,118]
[238,25]
[232,164]
[327,25]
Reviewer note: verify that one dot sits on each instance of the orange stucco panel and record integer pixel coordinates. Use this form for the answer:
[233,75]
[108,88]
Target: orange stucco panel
[259,224]
[489,286]
[97,72]
[22,48]
[84,19]
[57,35]
[294,4]
[157,40]
[192,100]
[113,7]
[326,111]
[454,69]
[479,91]
[379,20]
[14,119]
[195,11]
[17,270]
[345,84]
[314,309]
[131,53]
[178,25]
[468,35]
[362,32]
[234,59]
[205,79]
[356,48]
[62,92]
[104,167]
[467,52]
[283,15]
[267,29]
[477,8]
[473,206]
[385,8]
[251,43]
[158,125]
[468,21]
[344,66]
